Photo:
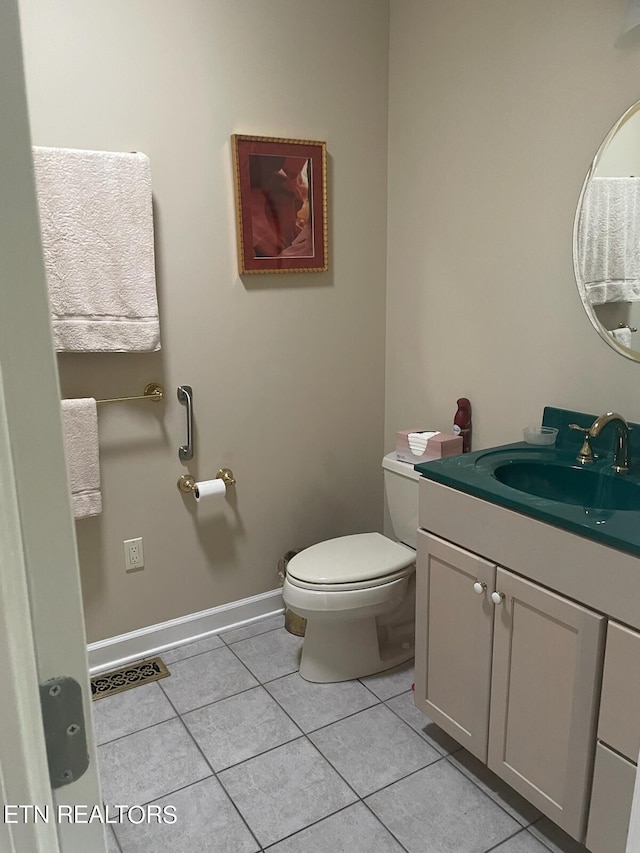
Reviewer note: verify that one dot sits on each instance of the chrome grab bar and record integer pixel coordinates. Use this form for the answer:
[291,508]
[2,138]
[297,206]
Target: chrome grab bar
[185,396]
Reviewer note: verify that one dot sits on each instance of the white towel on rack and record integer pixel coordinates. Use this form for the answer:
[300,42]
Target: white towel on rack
[609,240]
[80,425]
[97,237]
[622,336]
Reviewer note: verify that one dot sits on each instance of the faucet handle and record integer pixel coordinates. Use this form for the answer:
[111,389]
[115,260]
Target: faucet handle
[585,455]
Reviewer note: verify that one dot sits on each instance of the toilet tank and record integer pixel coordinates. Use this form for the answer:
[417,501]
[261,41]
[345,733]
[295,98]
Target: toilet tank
[401,490]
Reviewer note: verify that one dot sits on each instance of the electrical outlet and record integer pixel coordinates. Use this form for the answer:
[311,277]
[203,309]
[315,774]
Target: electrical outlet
[133,555]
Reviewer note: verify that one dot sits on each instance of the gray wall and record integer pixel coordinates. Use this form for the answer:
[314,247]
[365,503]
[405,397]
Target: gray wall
[287,371]
[496,110]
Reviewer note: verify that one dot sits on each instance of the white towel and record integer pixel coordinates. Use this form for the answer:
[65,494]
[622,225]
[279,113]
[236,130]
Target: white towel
[622,336]
[609,240]
[97,236]
[80,425]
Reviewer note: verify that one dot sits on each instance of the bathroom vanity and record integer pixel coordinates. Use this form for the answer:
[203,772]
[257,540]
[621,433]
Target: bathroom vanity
[528,634]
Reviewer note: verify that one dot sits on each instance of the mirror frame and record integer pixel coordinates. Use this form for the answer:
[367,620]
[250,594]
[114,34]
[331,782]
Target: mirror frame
[634,355]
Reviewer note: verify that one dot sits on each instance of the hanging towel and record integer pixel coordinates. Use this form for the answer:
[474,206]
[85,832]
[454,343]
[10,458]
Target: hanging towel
[609,240]
[80,426]
[622,336]
[97,237]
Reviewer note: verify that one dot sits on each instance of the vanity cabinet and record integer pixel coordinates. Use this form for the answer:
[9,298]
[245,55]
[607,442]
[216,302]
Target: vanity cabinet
[618,742]
[511,670]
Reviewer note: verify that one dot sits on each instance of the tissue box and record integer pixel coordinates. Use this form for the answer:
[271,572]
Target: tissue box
[442,444]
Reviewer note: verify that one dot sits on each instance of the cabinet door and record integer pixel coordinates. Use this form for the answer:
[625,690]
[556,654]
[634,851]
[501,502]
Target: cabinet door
[611,799]
[547,662]
[453,640]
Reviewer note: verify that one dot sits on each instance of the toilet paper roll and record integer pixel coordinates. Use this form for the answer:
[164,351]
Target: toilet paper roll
[209,489]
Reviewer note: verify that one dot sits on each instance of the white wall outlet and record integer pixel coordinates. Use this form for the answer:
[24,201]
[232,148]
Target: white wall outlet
[133,555]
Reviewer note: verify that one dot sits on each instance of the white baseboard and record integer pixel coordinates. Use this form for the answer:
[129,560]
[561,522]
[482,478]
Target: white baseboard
[118,651]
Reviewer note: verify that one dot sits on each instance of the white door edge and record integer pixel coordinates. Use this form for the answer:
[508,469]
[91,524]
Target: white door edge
[41,597]
[22,745]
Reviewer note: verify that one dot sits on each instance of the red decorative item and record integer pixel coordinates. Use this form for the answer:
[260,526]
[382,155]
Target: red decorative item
[462,423]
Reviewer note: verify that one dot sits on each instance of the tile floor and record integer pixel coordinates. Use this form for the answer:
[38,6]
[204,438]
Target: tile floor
[253,758]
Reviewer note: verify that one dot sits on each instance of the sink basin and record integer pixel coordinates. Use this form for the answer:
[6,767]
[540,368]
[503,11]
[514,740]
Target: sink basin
[548,484]
[571,485]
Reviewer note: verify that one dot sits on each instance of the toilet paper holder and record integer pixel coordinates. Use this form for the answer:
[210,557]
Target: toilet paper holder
[187,482]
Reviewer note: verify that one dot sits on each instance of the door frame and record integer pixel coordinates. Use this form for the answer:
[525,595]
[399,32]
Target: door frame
[24,777]
[41,614]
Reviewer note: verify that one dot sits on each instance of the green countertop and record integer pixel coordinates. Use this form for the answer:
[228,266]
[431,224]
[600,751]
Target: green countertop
[473,473]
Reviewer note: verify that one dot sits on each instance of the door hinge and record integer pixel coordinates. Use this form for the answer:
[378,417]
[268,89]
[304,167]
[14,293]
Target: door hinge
[64,730]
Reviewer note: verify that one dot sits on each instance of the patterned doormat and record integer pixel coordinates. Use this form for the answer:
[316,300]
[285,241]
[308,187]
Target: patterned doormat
[127,677]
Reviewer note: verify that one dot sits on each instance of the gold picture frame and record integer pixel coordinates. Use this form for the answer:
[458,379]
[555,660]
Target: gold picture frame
[281,204]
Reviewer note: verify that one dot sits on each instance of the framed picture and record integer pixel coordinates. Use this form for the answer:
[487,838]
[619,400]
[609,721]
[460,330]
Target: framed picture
[281,204]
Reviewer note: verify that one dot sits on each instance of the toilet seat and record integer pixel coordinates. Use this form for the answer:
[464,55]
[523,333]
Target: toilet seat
[339,587]
[351,562]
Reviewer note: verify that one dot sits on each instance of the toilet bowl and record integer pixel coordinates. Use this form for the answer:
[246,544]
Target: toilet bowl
[357,593]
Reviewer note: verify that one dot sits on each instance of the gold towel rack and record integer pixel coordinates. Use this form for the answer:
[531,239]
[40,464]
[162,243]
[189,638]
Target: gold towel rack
[153,391]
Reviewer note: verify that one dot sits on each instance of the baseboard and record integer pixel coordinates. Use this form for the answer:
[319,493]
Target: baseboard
[118,651]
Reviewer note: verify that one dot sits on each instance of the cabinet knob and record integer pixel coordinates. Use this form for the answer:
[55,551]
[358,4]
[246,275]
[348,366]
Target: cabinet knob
[497,597]
[479,587]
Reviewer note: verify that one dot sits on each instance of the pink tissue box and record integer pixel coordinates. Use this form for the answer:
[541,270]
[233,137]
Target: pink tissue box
[438,446]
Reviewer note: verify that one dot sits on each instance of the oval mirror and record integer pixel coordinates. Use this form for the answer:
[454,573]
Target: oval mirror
[606,237]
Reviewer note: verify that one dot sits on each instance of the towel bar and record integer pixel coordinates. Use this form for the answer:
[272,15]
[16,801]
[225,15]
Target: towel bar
[153,391]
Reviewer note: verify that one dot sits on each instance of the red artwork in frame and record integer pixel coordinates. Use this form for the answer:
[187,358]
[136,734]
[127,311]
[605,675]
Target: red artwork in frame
[281,204]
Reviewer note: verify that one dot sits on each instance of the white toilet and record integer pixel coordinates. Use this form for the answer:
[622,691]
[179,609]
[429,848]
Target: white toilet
[357,592]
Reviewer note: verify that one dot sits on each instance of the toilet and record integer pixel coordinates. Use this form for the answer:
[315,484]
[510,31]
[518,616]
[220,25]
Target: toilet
[357,592]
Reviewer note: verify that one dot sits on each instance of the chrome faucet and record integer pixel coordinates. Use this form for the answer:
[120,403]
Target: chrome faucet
[621,453]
